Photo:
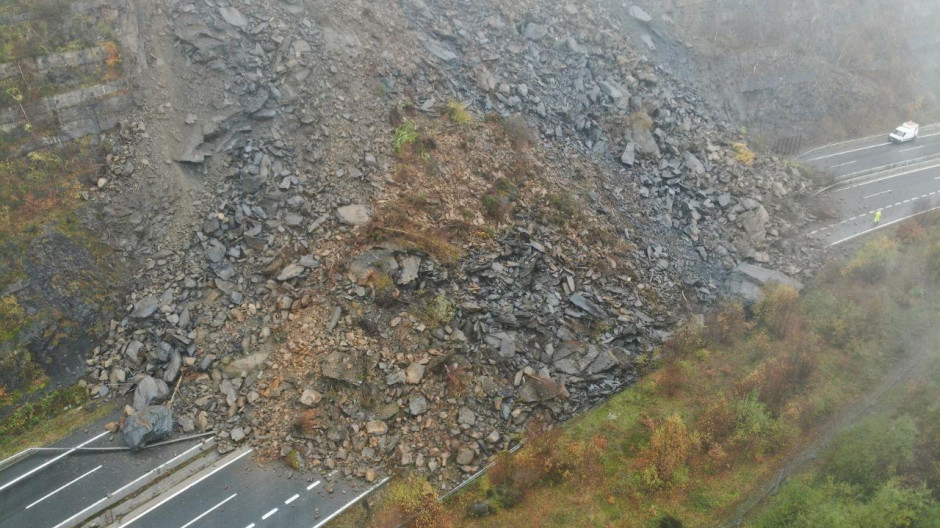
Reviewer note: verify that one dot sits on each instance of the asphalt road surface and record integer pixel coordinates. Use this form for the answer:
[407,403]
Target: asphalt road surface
[47,490]
[846,160]
[899,193]
[237,492]
[53,490]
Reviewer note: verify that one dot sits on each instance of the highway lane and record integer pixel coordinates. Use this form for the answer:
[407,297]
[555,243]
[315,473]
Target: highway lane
[899,196]
[46,489]
[863,156]
[241,493]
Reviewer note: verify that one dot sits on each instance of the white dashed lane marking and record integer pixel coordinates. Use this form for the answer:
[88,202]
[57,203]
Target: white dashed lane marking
[876,194]
[270,513]
[186,488]
[869,213]
[843,164]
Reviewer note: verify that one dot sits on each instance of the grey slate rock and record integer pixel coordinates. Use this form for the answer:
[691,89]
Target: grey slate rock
[233,16]
[147,425]
[582,302]
[640,14]
[146,307]
[150,390]
[356,214]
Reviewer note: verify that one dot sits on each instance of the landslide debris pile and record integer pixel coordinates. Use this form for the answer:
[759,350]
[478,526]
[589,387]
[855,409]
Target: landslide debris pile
[418,225]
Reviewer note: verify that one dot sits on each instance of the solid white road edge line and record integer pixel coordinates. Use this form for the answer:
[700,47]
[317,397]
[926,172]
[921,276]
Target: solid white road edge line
[65,486]
[270,513]
[191,484]
[865,148]
[47,463]
[853,186]
[846,239]
[350,503]
[836,144]
[92,505]
[207,512]
[912,148]
[158,468]
[848,152]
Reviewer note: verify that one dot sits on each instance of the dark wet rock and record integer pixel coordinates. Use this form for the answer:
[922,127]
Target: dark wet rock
[581,301]
[147,425]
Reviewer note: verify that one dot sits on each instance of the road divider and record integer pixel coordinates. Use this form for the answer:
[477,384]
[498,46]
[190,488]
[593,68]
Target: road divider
[160,501]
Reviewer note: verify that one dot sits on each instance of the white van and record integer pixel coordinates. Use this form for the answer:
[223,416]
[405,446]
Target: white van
[904,133]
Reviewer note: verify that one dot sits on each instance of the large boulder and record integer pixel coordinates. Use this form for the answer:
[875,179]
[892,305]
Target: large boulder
[754,224]
[150,390]
[747,282]
[147,425]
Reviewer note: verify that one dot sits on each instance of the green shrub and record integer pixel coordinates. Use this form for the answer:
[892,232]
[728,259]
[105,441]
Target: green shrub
[933,263]
[33,413]
[755,427]
[872,452]
[405,134]
[873,262]
[806,505]
[457,112]
[12,318]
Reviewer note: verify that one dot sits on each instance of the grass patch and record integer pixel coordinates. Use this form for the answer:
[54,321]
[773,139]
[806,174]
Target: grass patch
[406,134]
[29,86]
[54,427]
[32,414]
[458,114]
[743,154]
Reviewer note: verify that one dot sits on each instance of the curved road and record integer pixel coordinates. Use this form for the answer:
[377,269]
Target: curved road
[902,181]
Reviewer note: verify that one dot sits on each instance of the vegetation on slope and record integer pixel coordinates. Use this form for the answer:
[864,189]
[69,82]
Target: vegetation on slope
[733,401]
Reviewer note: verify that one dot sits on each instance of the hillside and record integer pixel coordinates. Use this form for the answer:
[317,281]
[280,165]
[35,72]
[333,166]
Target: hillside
[374,237]
[809,409]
